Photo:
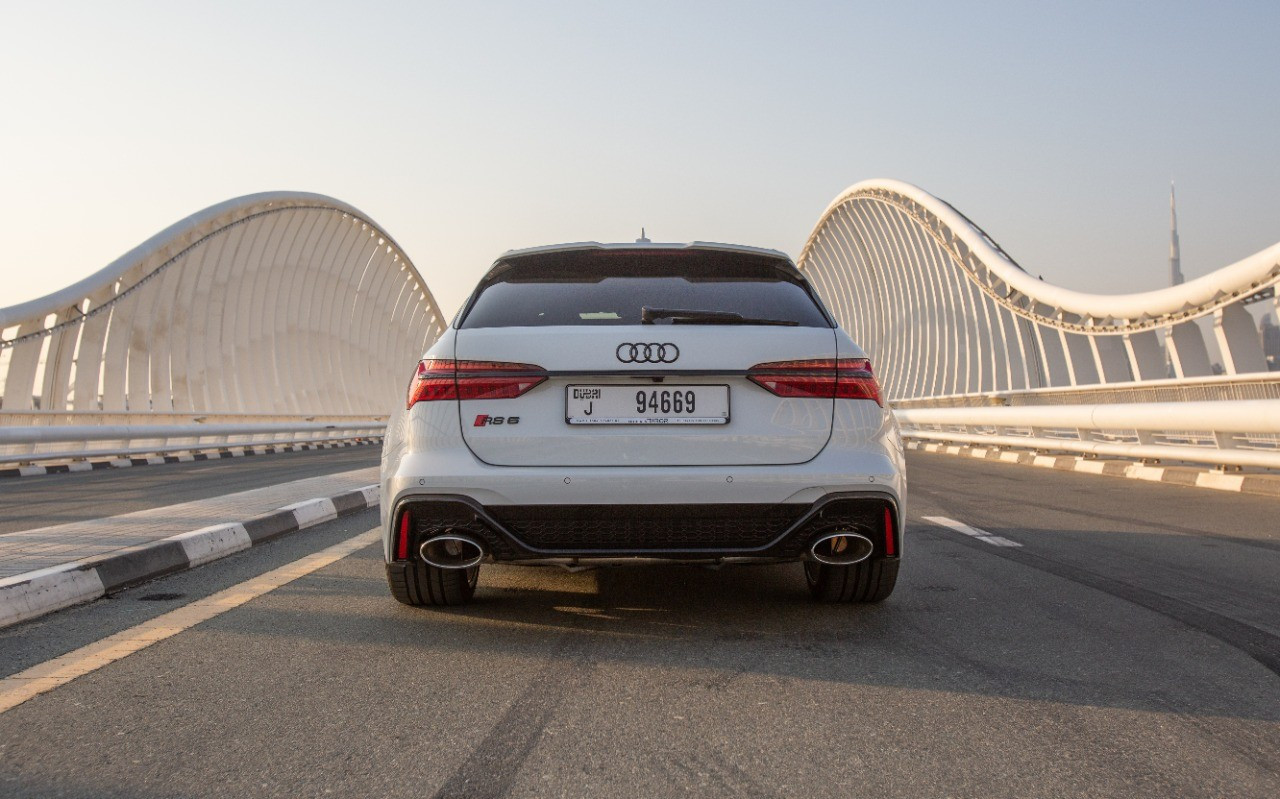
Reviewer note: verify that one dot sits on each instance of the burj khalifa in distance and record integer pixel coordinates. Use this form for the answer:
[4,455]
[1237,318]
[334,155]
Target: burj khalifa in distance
[1175,253]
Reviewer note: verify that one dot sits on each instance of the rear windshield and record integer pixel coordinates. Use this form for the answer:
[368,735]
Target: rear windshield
[615,287]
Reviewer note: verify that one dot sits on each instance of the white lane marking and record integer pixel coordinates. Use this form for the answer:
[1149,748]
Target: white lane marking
[981,535]
[1001,542]
[18,688]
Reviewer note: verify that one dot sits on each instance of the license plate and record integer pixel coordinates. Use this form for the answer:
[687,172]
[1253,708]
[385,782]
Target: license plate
[657,404]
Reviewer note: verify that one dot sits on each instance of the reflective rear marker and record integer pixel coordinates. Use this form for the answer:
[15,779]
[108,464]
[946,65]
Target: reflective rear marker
[974,532]
[402,540]
[888,531]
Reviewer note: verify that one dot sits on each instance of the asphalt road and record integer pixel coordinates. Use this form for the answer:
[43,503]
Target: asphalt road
[1129,647]
[28,502]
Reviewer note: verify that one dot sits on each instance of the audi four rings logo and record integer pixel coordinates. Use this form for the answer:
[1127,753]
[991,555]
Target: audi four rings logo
[648,353]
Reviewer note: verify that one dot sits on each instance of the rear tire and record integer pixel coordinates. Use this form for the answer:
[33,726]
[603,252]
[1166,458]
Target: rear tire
[871,580]
[421,584]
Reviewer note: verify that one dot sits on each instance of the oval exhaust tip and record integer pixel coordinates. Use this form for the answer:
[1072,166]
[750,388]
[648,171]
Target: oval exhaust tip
[451,552]
[841,548]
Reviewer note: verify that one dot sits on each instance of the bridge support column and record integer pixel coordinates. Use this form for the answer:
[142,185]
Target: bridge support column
[24,361]
[1239,340]
[1187,351]
[58,363]
[1145,356]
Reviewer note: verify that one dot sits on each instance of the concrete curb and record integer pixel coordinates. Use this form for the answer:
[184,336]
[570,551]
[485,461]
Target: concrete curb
[210,455]
[1264,485]
[26,596]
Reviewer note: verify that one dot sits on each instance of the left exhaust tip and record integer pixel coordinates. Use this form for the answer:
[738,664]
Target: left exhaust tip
[451,551]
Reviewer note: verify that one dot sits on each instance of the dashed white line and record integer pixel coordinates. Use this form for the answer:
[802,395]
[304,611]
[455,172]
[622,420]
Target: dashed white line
[981,535]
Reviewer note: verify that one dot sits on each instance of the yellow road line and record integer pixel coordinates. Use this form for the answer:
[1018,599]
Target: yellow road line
[24,685]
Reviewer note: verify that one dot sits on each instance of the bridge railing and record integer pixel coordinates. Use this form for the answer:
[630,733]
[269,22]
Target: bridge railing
[1219,388]
[35,436]
[1226,433]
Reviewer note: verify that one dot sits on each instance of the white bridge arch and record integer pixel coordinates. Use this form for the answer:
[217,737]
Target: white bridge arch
[945,311]
[281,310]
[972,350]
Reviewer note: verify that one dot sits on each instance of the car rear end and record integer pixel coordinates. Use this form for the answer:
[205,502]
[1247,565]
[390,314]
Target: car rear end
[598,404]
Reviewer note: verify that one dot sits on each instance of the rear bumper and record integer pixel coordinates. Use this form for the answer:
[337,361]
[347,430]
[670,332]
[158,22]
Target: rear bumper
[425,460]
[738,532]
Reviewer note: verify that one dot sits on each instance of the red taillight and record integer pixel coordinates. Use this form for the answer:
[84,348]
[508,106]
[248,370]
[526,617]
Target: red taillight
[888,531]
[488,380]
[441,379]
[855,380]
[846,378]
[435,380]
[402,542]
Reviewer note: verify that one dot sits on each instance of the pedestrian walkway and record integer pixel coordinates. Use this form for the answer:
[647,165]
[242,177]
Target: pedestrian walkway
[45,547]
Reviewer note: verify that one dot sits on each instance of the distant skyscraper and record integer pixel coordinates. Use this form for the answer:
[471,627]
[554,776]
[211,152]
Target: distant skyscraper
[1271,343]
[1175,253]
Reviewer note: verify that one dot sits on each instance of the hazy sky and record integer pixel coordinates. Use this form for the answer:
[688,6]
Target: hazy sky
[469,129]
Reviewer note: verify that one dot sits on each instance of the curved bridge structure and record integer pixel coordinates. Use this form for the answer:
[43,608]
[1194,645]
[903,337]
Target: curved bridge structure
[945,311]
[959,333]
[284,309]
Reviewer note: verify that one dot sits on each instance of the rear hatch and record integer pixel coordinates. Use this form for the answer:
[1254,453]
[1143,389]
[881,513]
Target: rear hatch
[646,353]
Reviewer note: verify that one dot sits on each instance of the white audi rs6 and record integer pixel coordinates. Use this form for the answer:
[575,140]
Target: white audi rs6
[604,404]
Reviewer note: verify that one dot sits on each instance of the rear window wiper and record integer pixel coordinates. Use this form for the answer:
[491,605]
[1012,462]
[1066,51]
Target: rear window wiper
[649,316]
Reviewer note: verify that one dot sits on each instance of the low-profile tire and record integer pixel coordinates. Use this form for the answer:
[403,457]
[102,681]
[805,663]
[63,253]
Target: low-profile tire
[871,580]
[421,584]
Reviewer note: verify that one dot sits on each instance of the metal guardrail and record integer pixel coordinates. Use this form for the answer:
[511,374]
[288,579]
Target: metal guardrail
[1218,388]
[1229,433]
[31,437]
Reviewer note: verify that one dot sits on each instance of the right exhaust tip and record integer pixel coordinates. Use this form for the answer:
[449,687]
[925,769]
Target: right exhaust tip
[841,548]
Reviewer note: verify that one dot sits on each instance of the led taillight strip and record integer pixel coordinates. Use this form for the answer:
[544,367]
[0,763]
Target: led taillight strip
[447,379]
[826,378]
